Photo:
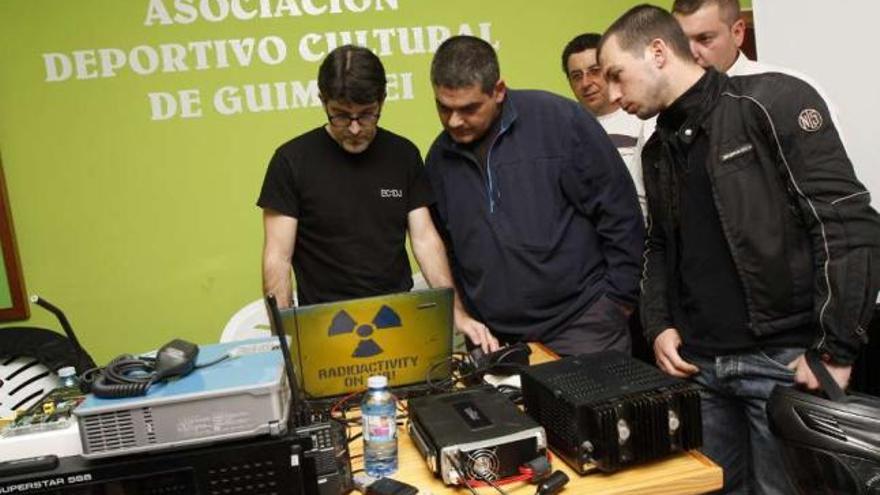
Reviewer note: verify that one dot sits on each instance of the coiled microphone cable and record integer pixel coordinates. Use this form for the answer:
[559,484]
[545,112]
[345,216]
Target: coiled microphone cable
[130,376]
[124,376]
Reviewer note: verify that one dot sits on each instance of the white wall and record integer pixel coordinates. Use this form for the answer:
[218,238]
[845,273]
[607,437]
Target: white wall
[833,42]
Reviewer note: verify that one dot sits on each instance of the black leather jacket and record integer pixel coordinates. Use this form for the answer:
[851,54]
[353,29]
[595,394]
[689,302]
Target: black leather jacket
[798,223]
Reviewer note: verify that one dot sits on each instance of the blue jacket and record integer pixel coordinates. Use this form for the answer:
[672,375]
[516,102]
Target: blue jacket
[552,224]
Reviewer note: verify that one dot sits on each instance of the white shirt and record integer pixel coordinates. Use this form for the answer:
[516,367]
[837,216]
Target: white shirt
[746,67]
[629,134]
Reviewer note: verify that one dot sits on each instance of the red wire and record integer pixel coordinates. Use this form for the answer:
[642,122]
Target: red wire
[503,481]
[529,471]
[525,475]
[340,402]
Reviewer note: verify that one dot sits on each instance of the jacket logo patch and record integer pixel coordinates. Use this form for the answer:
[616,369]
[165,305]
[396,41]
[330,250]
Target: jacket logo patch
[742,150]
[810,120]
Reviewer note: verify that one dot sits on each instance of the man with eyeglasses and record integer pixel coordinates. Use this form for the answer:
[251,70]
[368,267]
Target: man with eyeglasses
[339,200]
[627,132]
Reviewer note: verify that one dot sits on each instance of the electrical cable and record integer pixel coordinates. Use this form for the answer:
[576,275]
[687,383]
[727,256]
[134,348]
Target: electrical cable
[493,485]
[212,363]
[84,359]
[341,402]
[129,376]
[504,481]
[513,393]
[124,376]
[446,383]
[460,471]
[538,468]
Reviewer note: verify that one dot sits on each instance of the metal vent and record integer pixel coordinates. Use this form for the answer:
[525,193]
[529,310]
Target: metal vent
[254,476]
[109,431]
[149,426]
[635,374]
[575,385]
[560,418]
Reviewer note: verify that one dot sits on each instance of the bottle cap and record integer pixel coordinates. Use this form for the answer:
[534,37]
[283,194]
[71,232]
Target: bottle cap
[67,371]
[377,381]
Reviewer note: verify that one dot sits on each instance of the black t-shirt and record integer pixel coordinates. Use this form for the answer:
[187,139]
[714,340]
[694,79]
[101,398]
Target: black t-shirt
[712,308]
[712,299]
[351,210]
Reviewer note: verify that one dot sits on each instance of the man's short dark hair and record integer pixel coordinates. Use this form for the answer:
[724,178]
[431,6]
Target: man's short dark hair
[352,74]
[644,23]
[581,42]
[729,9]
[462,61]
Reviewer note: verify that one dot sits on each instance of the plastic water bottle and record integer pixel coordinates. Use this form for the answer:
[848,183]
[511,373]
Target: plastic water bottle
[379,416]
[68,377]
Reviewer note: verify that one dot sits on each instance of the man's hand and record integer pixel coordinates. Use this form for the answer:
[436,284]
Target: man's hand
[666,353]
[476,332]
[430,252]
[804,376]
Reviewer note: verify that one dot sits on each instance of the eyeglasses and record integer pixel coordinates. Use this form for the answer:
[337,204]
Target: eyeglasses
[342,120]
[593,72]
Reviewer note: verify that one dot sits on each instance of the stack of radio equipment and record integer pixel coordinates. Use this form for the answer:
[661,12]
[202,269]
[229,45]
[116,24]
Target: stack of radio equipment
[224,428]
[232,422]
[231,425]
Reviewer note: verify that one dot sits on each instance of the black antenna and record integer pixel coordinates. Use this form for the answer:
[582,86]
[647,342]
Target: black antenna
[278,327]
[84,361]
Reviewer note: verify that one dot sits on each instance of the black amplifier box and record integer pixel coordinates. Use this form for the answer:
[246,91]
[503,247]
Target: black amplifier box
[474,435]
[258,466]
[607,410]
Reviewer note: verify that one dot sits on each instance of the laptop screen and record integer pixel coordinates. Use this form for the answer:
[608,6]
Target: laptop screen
[336,346]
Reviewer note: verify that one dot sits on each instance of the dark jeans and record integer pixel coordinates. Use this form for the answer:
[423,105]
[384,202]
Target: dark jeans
[736,434]
[602,326]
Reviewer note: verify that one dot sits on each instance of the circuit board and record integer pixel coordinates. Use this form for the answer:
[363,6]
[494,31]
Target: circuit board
[52,412]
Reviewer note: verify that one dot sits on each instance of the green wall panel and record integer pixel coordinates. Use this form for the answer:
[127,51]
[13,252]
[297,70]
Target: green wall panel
[143,229]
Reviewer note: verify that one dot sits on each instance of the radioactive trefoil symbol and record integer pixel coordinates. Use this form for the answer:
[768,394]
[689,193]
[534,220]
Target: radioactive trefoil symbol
[343,324]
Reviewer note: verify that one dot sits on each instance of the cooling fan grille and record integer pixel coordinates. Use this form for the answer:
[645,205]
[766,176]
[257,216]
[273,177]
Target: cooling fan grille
[481,465]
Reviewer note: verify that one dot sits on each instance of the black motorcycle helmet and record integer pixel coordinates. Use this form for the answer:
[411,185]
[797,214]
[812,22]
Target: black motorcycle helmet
[830,445]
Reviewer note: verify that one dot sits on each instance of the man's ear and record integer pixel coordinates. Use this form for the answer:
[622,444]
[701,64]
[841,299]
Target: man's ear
[500,91]
[738,30]
[657,52]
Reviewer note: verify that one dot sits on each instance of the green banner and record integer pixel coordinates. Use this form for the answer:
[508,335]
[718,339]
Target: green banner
[135,135]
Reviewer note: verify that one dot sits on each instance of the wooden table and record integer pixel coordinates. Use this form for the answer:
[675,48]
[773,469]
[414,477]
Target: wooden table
[685,473]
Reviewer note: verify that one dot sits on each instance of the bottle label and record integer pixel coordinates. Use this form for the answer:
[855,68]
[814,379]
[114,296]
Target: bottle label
[380,428]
